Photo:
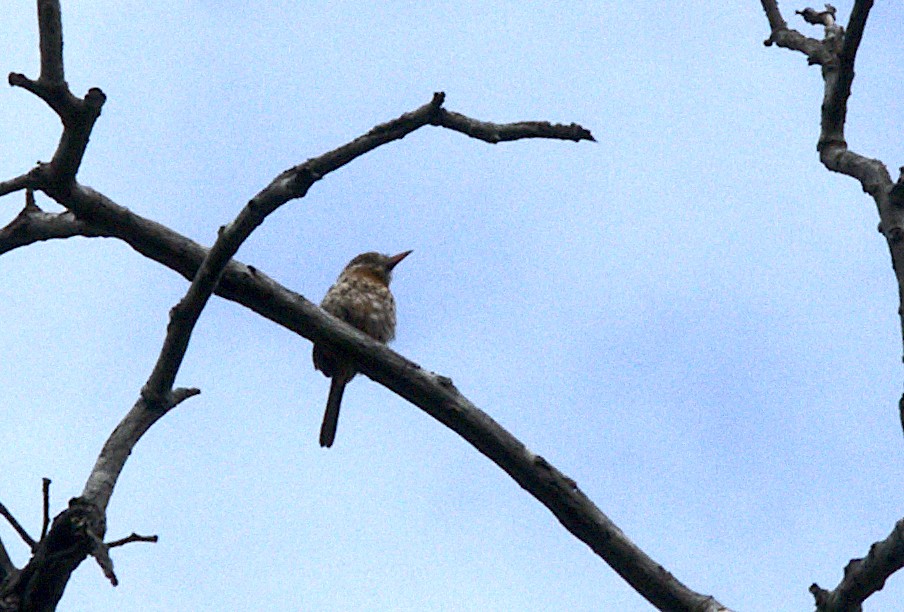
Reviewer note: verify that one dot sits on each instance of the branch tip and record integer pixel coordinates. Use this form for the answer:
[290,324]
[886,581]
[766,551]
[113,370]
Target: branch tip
[46,495]
[132,538]
[95,98]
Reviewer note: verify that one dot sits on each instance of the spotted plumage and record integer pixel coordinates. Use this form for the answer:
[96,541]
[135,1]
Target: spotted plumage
[360,297]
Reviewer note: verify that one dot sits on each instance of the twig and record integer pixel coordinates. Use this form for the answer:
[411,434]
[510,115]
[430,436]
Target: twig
[101,554]
[785,37]
[500,132]
[16,184]
[132,538]
[19,529]
[46,522]
[33,225]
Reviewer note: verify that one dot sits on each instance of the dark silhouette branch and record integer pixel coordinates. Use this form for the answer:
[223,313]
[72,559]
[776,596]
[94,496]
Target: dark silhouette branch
[500,132]
[836,54]
[17,184]
[71,538]
[50,28]
[17,526]
[132,538]
[45,523]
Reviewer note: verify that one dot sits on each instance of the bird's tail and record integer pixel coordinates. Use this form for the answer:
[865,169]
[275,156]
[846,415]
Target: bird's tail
[331,416]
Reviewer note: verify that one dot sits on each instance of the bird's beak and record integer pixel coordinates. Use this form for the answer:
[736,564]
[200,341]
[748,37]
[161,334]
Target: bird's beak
[395,259]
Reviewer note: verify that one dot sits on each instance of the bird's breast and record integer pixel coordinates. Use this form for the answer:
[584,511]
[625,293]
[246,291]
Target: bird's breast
[364,301]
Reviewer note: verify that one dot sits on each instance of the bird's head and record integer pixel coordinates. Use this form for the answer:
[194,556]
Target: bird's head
[375,264]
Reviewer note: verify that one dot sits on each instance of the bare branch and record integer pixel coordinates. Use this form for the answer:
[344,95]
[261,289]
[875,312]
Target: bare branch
[787,38]
[776,21]
[33,224]
[19,529]
[863,577]
[101,554]
[50,26]
[499,132]
[835,109]
[46,522]
[132,538]
[837,54]
[840,75]
[119,445]
[17,184]
[78,115]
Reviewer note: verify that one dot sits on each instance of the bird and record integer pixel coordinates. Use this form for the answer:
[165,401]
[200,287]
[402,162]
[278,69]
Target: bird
[360,297]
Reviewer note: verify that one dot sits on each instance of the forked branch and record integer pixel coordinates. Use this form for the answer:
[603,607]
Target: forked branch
[836,54]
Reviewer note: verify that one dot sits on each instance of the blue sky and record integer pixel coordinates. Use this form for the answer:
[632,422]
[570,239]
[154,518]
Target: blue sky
[692,317]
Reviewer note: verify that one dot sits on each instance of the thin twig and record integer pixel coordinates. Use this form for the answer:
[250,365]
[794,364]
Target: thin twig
[501,132]
[132,538]
[785,37]
[46,522]
[19,529]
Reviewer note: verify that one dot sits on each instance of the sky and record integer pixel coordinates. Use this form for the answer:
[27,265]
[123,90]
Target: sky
[691,317]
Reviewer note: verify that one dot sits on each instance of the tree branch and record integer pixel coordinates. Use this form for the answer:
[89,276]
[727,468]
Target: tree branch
[134,537]
[33,225]
[836,55]
[499,132]
[50,27]
[46,507]
[40,584]
[18,527]
[99,486]
[17,184]
[863,577]
[787,38]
